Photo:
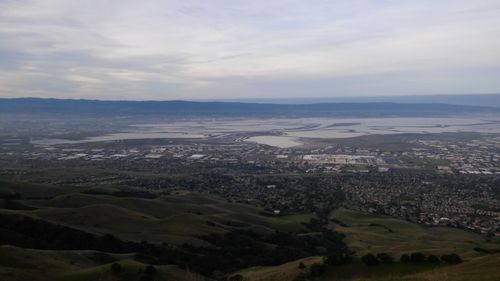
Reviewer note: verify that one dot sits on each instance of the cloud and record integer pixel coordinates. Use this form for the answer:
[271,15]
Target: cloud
[229,49]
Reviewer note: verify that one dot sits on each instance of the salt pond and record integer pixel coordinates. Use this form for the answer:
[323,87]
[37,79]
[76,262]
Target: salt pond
[288,132]
[278,141]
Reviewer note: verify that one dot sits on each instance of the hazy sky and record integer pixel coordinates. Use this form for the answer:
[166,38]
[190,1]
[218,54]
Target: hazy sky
[130,49]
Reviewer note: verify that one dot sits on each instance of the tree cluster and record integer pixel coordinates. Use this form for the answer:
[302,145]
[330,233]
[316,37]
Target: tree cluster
[372,260]
[418,257]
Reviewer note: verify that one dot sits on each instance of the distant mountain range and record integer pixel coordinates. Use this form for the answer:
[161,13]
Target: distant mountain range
[235,109]
[490,100]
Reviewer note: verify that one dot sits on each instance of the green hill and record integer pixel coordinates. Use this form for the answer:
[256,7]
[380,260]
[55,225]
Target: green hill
[18,264]
[367,233]
[172,219]
[486,268]
[374,233]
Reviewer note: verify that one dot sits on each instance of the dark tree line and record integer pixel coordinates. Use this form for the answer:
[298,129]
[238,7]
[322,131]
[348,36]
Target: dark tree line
[417,257]
[245,248]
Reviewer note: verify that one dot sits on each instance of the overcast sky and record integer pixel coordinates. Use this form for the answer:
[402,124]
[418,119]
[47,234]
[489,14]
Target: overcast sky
[129,49]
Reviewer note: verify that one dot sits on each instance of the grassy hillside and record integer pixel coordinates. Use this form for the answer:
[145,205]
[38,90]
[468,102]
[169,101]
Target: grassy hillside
[355,270]
[367,233]
[373,233]
[200,231]
[18,264]
[486,268]
[31,191]
[172,219]
[287,271]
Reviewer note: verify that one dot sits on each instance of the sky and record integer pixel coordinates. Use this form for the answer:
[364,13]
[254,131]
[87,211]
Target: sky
[162,50]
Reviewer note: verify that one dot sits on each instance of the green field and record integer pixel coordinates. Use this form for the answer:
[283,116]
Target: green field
[375,234]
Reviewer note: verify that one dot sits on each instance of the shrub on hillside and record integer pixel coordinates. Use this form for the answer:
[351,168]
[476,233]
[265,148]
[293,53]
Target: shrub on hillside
[451,259]
[385,258]
[116,267]
[317,269]
[150,270]
[417,257]
[237,277]
[338,258]
[405,258]
[148,274]
[433,259]
[370,260]
[100,257]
